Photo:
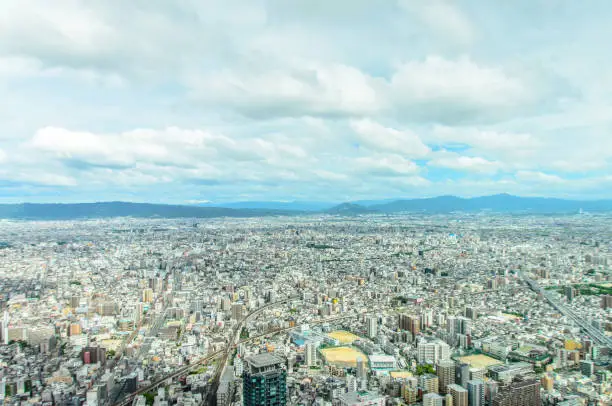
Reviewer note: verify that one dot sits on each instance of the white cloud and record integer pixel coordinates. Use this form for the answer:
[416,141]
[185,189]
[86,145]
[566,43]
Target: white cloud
[385,165]
[325,90]
[444,18]
[461,86]
[464,163]
[539,177]
[377,137]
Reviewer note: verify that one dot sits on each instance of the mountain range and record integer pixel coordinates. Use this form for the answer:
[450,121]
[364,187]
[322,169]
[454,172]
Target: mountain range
[443,204]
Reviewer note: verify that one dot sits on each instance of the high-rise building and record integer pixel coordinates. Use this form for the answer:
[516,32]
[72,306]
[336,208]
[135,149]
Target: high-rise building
[606,301]
[477,373]
[433,399]
[570,292]
[429,383]
[432,351]
[372,326]
[491,390]
[476,393]
[471,313]
[362,370]
[147,295]
[521,392]
[547,383]
[310,354]
[587,368]
[5,324]
[459,394]
[264,381]
[446,374]
[238,311]
[462,374]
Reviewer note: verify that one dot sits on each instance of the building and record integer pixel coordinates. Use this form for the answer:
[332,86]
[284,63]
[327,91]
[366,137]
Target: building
[547,383]
[264,381]
[310,354]
[462,374]
[429,383]
[361,398]
[433,399]
[372,326]
[446,374]
[476,392]
[147,295]
[362,369]
[519,393]
[587,368]
[238,311]
[225,390]
[606,301]
[459,395]
[570,293]
[382,362]
[93,355]
[433,351]
[506,373]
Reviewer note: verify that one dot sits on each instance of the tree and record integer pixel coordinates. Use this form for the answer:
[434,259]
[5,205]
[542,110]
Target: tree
[425,369]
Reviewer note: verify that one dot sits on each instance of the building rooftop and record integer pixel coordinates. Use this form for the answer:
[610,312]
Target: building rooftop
[264,360]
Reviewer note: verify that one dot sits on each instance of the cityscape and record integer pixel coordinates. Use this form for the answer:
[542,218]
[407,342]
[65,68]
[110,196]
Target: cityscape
[318,309]
[305,203]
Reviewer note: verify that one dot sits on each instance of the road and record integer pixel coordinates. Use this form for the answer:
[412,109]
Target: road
[596,334]
[226,351]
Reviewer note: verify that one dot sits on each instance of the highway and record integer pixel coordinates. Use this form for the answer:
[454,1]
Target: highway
[596,335]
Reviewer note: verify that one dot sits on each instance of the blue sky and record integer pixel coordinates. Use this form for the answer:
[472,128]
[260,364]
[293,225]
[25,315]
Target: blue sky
[205,100]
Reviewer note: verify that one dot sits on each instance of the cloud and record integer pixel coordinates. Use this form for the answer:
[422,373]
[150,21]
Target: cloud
[317,90]
[446,90]
[464,163]
[443,18]
[377,137]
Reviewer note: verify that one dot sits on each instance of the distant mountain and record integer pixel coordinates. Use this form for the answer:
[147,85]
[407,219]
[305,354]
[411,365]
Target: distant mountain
[52,211]
[443,204]
[495,203]
[349,209]
[271,205]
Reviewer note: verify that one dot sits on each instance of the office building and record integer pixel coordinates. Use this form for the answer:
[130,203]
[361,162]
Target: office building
[476,392]
[462,374]
[264,381]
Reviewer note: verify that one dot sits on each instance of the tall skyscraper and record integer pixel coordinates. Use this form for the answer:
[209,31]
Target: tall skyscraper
[264,381]
[476,392]
[459,394]
[446,374]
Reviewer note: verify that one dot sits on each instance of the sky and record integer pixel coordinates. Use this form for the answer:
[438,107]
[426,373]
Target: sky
[191,101]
